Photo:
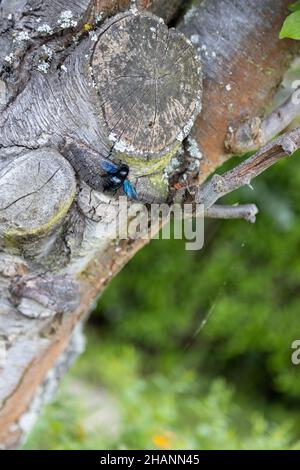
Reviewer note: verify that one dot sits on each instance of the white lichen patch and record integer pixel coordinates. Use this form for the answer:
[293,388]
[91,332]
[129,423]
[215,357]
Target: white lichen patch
[93,36]
[76,38]
[190,14]
[45,28]
[9,58]
[120,147]
[180,136]
[193,149]
[202,50]
[195,39]
[43,66]
[22,36]
[99,17]
[174,165]
[133,7]
[45,60]
[113,137]
[187,129]
[194,166]
[66,20]
[48,51]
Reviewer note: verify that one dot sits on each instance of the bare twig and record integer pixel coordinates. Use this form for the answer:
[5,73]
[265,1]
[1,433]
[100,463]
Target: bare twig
[242,175]
[254,133]
[244,211]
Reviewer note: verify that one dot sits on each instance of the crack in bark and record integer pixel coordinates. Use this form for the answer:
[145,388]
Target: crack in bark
[31,193]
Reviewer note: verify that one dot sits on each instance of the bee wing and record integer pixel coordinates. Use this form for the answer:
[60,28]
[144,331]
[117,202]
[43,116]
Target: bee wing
[129,190]
[109,167]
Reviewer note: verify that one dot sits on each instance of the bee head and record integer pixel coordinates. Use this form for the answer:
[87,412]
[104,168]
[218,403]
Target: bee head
[123,171]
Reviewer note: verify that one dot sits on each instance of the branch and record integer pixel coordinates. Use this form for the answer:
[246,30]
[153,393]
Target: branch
[65,106]
[244,211]
[243,174]
[241,75]
[255,133]
[129,91]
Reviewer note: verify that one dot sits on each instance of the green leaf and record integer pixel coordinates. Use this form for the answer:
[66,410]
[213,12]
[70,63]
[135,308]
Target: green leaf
[295,6]
[291,27]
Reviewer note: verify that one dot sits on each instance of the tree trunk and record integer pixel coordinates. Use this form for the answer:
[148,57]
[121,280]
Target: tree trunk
[87,82]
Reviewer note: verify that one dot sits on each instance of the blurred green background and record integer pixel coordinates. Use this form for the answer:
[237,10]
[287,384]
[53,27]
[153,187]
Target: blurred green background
[193,349]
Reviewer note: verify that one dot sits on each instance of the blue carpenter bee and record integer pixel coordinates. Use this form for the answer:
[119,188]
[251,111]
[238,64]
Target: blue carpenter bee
[115,177]
[98,172]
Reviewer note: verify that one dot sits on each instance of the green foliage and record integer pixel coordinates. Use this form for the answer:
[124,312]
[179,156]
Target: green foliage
[291,26]
[295,6]
[193,349]
[161,409]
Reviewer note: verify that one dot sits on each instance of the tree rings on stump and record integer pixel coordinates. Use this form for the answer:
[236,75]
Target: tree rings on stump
[36,193]
[149,82]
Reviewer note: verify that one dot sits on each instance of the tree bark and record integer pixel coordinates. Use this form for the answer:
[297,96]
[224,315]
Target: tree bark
[76,89]
[243,64]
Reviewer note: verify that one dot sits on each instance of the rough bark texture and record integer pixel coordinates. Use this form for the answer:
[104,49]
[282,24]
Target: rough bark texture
[57,100]
[243,64]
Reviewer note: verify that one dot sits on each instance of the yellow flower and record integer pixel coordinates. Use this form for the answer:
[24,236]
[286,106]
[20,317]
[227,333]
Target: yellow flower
[162,442]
